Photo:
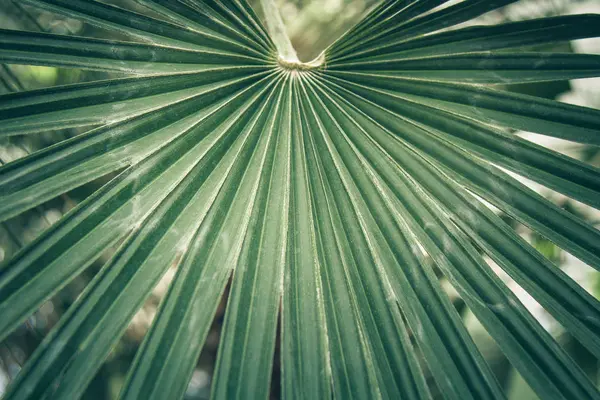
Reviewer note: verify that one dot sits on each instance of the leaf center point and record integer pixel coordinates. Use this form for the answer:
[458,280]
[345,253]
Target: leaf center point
[295,65]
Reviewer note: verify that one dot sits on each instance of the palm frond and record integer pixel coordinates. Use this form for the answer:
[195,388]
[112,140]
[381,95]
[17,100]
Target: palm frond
[330,193]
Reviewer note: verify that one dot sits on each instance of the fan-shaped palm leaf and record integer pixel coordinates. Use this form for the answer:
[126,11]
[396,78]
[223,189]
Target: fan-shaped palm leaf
[328,192]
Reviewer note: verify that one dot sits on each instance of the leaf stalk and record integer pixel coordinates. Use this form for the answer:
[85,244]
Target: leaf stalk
[276,28]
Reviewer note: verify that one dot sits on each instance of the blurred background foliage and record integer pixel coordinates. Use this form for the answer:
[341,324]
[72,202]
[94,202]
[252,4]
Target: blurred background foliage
[312,26]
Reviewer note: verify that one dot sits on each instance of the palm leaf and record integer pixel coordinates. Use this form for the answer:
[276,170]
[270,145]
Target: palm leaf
[330,193]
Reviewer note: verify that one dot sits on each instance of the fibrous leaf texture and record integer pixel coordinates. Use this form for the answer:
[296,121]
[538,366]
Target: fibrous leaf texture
[331,194]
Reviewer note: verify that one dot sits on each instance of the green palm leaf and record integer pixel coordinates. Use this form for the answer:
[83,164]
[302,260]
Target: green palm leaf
[330,193]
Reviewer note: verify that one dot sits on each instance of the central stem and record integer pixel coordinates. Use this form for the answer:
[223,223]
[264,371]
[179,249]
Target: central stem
[276,28]
[288,58]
